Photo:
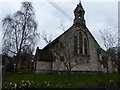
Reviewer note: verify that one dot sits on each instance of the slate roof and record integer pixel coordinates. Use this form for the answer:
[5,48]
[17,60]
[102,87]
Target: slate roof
[44,55]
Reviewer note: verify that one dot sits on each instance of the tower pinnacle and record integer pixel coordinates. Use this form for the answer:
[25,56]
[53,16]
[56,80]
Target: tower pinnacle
[79,14]
[79,1]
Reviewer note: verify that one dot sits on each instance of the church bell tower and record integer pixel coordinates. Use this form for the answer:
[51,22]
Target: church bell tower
[79,15]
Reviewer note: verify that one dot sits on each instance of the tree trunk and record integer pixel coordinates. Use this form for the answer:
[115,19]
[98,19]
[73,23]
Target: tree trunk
[69,77]
[17,61]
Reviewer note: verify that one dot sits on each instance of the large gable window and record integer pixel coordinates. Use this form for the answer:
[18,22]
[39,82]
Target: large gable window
[80,43]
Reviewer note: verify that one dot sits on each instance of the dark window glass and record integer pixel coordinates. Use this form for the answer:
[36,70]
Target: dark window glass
[62,58]
[80,43]
[61,45]
[75,45]
[85,45]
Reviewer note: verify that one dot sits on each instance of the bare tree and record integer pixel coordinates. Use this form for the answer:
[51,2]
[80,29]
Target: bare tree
[62,47]
[109,39]
[109,42]
[62,27]
[47,38]
[66,50]
[64,53]
[20,31]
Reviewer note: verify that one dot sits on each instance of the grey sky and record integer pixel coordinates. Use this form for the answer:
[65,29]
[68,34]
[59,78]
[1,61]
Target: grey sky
[98,15]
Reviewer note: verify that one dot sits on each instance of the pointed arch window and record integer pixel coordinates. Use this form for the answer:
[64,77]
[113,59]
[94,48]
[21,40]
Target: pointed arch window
[85,46]
[75,45]
[80,42]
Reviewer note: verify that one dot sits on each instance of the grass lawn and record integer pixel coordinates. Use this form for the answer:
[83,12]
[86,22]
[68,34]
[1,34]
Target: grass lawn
[82,80]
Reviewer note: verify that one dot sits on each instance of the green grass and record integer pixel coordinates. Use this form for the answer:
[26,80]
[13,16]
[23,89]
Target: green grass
[26,71]
[82,80]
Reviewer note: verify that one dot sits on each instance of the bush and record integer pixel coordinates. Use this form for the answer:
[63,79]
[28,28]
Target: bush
[10,67]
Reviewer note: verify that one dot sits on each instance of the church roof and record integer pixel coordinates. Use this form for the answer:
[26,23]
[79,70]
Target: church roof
[45,55]
[56,40]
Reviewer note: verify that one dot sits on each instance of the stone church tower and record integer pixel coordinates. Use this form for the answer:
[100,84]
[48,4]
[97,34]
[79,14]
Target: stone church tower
[76,50]
[79,15]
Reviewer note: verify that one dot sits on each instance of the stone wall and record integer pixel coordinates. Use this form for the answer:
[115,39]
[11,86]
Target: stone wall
[88,62]
[91,65]
[44,67]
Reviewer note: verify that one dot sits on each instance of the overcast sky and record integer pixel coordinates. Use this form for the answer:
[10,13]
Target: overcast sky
[98,15]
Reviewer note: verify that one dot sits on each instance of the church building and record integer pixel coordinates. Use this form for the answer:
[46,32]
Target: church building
[75,50]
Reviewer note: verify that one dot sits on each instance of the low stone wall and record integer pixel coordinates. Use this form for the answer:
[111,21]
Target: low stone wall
[55,72]
[43,71]
[75,72]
